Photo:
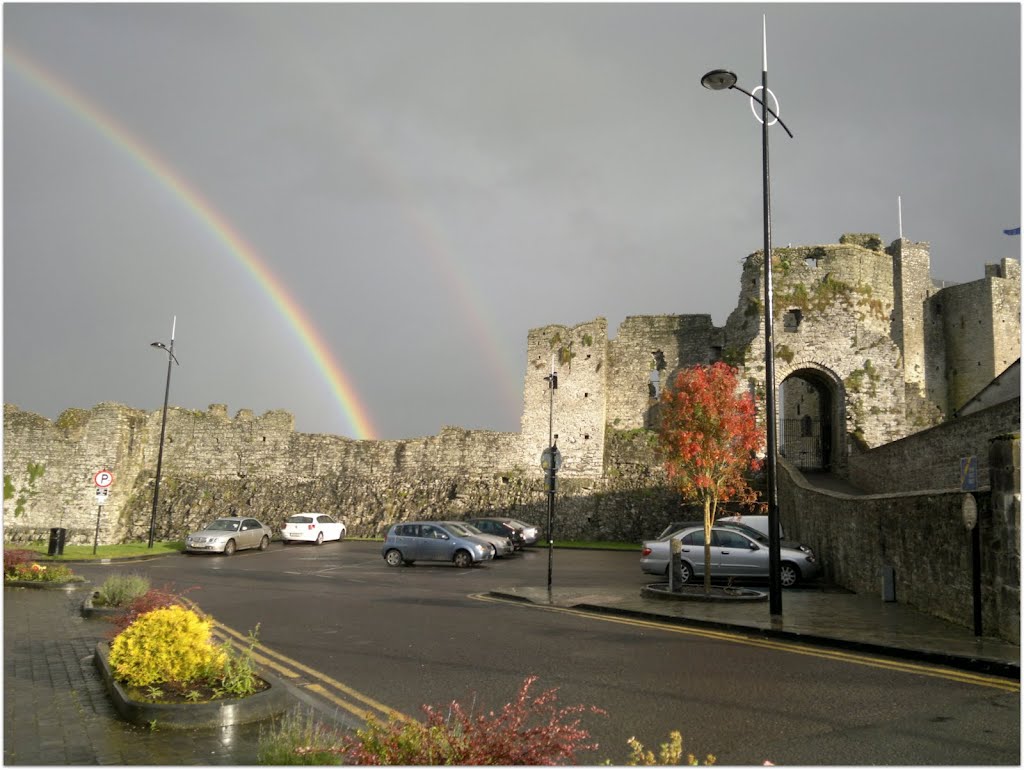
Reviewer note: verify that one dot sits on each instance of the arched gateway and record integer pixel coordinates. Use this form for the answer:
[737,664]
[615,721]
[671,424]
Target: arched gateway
[811,417]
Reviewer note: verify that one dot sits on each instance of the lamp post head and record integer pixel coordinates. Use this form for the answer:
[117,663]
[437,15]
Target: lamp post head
[158,345]
[719,80]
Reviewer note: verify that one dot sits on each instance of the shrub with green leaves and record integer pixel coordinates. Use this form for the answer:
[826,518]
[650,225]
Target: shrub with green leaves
[121,590]
[172,644]
[299,739]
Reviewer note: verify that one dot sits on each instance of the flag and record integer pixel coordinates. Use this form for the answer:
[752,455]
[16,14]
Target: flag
[1014,231]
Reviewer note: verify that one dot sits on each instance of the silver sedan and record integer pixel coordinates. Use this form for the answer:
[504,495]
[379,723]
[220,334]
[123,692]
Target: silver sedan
[733,554]
[229,534]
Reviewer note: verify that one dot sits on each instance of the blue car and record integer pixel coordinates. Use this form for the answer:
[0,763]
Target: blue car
[414,541]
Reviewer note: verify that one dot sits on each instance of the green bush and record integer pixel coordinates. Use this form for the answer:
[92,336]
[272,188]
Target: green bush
[298,739]
[121,590]
[171,644]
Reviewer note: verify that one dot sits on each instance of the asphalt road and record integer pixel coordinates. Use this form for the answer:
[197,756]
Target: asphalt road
[421,635]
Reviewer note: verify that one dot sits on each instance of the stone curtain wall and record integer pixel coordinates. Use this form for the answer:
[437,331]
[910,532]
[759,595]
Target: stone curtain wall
[216,466]
[931,459]
[922,537]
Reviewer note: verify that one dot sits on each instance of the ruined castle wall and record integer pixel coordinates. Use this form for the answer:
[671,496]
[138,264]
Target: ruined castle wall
[644,356]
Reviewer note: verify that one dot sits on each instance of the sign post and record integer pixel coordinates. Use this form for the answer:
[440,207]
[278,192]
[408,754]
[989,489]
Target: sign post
[103,480]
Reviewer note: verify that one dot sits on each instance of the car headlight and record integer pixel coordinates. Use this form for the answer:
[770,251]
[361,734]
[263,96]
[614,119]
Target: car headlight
[480,549]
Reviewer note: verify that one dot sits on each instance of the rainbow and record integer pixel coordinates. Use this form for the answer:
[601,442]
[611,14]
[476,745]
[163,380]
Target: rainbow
[355,413]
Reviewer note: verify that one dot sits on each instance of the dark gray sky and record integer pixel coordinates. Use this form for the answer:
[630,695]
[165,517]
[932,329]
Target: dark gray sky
[425,183]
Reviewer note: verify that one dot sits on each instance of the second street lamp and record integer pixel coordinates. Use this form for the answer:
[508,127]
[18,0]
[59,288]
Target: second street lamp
[724,80]
[163,426]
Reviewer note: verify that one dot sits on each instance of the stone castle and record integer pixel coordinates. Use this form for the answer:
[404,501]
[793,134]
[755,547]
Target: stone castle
[870,350]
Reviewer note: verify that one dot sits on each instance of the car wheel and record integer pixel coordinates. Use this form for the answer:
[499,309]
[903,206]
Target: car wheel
[264,543]
[319,538]
[686,571]
[229,547]
[393,558]
[341,535]
[463,559]
[789,575]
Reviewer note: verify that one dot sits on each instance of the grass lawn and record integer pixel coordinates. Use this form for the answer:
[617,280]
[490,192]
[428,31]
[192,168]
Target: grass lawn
[79,552]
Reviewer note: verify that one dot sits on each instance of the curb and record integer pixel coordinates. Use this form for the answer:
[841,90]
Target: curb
[961,662]
[70,585]
[189,715]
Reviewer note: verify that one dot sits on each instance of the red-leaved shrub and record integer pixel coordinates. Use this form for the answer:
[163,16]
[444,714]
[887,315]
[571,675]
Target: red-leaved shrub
[528,731]
[153,599]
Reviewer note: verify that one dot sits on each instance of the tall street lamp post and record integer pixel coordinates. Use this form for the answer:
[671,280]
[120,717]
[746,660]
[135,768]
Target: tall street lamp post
[163,427]
[724,80]
[551,460]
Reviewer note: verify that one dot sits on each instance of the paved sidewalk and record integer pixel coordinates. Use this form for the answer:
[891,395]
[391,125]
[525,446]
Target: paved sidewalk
[823,616]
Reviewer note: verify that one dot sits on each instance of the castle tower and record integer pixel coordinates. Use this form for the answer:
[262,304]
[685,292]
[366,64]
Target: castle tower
[577,411]
[912,284]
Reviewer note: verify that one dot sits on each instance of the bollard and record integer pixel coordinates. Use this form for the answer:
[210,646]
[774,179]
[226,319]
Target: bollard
[675,571]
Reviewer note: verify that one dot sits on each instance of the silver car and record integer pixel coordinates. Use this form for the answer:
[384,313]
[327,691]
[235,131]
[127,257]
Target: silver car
[229,534]
[531,532]
[433,541]
[502,545]
[733,554]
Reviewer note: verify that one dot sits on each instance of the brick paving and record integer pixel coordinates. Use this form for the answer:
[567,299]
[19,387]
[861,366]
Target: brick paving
[56,708]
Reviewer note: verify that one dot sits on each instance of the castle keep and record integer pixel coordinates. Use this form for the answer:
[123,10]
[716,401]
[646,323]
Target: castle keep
[869,350]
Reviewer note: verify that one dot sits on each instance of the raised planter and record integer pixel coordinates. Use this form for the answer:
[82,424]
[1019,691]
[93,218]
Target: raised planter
[274,700]
[90,610]
[695,593]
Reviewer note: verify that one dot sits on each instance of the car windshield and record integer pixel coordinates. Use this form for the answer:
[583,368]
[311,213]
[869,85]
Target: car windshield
[300,519]
[223,525]
[457,528]
[473,530]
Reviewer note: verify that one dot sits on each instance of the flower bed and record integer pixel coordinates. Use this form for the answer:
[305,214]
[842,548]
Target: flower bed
[20,570]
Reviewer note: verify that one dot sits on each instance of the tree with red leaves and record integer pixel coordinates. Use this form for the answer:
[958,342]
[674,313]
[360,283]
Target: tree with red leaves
[708,438]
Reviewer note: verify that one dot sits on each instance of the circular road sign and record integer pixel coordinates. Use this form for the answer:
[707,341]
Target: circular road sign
[103,479]
[545,459]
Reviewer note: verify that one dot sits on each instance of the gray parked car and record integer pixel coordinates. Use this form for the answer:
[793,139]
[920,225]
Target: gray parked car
[229,534]
[433,541]
[733,554]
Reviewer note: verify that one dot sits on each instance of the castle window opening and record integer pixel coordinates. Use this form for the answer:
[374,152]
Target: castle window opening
[811,261]
[654,384]
[791,320]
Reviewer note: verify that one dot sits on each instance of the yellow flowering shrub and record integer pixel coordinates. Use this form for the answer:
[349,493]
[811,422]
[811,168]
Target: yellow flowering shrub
[170,644]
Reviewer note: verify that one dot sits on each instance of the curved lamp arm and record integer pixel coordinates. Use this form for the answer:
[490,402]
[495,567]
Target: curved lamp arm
[723,80]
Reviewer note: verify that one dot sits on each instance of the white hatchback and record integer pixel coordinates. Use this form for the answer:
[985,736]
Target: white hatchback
[312,528]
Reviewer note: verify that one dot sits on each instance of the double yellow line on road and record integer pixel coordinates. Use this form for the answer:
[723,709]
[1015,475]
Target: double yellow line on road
[892,664]
[306,678]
